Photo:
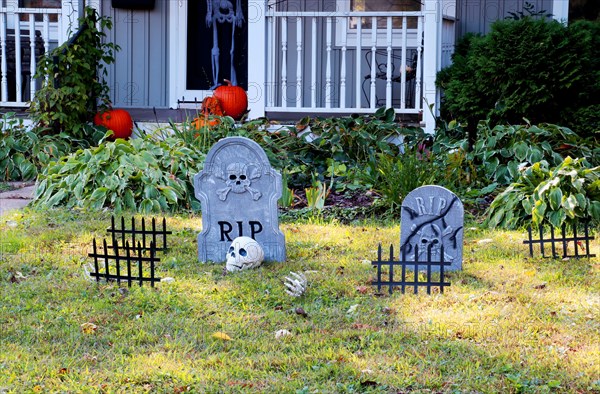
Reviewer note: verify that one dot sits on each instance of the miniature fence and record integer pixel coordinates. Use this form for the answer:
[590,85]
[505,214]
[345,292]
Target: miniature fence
[134,258]
[152,232]
[131,250]
[563,240]
[403,283]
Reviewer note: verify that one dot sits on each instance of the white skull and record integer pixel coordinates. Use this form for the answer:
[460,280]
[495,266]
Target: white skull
[244,253]
[237,177]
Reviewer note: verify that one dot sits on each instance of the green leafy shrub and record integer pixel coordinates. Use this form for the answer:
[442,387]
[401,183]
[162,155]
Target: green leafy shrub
[144,174]
[500,152]
[568,193]
[393,177]
[281,144]
[72,88]
[154,172]
[23,153]
[533,68]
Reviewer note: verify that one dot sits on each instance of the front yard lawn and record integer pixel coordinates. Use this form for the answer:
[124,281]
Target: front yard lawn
[508,322]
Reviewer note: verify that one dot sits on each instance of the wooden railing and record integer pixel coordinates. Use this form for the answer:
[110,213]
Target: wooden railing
[25,35]
[331,62]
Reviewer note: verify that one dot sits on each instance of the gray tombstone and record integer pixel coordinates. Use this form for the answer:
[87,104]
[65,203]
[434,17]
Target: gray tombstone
[432,216]
[238,190]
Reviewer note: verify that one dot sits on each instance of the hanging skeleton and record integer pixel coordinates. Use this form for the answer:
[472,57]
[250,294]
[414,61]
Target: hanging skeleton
[219,12]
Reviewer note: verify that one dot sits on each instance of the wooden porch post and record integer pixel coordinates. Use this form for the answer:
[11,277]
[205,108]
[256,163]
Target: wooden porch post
[257,47]
[432,55]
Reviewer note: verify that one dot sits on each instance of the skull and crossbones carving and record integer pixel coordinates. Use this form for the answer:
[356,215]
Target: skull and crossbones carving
[431,237]
[238,177]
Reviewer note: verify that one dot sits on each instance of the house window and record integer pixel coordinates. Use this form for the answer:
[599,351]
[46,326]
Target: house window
[41,4]
[384,6]
[346,30]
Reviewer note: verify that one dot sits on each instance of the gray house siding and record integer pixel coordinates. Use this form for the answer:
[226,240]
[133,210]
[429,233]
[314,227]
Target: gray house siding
[477,16]
[138,78]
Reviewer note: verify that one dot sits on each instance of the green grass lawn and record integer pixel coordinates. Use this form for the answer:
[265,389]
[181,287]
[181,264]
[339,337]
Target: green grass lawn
[508,323]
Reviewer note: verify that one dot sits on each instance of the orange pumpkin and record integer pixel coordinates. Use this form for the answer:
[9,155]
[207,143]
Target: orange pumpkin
[210,106]
[203,121]
[117,120]
[233,99]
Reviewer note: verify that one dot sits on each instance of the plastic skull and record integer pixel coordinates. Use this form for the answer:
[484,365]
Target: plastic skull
[430,237]
[237,177]
[244,253]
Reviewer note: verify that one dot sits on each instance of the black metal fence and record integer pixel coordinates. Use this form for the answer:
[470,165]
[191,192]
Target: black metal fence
[132,250]
[434,271]
[562,242]
[135,234]
[133,257]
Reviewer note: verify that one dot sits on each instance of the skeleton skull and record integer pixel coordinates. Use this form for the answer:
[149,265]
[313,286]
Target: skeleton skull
[430,237]
[244,253]
[237,177]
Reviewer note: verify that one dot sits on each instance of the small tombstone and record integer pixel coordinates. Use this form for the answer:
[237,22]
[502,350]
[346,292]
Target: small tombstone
[238,190]
[432,216]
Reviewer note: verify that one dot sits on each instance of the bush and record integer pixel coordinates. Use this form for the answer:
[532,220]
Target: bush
[145,175]
[500,152]
[23,153]
[72,88]
[393,177]
[155,172]
[568,193]
[526,68]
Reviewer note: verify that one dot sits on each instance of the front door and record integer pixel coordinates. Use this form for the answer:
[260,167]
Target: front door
[209,44]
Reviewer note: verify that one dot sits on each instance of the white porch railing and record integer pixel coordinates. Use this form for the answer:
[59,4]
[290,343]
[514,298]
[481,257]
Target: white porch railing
[329,62]
[25,35]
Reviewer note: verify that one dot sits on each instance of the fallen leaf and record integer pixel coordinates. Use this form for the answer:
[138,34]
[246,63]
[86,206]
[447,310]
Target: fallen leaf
[361,326]
[300,311]
[530,273]
[362,289]
[387,310]
[89,328]
[222,336]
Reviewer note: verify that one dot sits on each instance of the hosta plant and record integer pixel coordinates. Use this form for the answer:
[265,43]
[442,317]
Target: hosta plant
[143,175]
[568,193]
[23,152]
[501,151]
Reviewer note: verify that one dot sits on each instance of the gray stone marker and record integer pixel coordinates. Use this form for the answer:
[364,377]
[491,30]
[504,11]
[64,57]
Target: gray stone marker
[238,190]
[432,215]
